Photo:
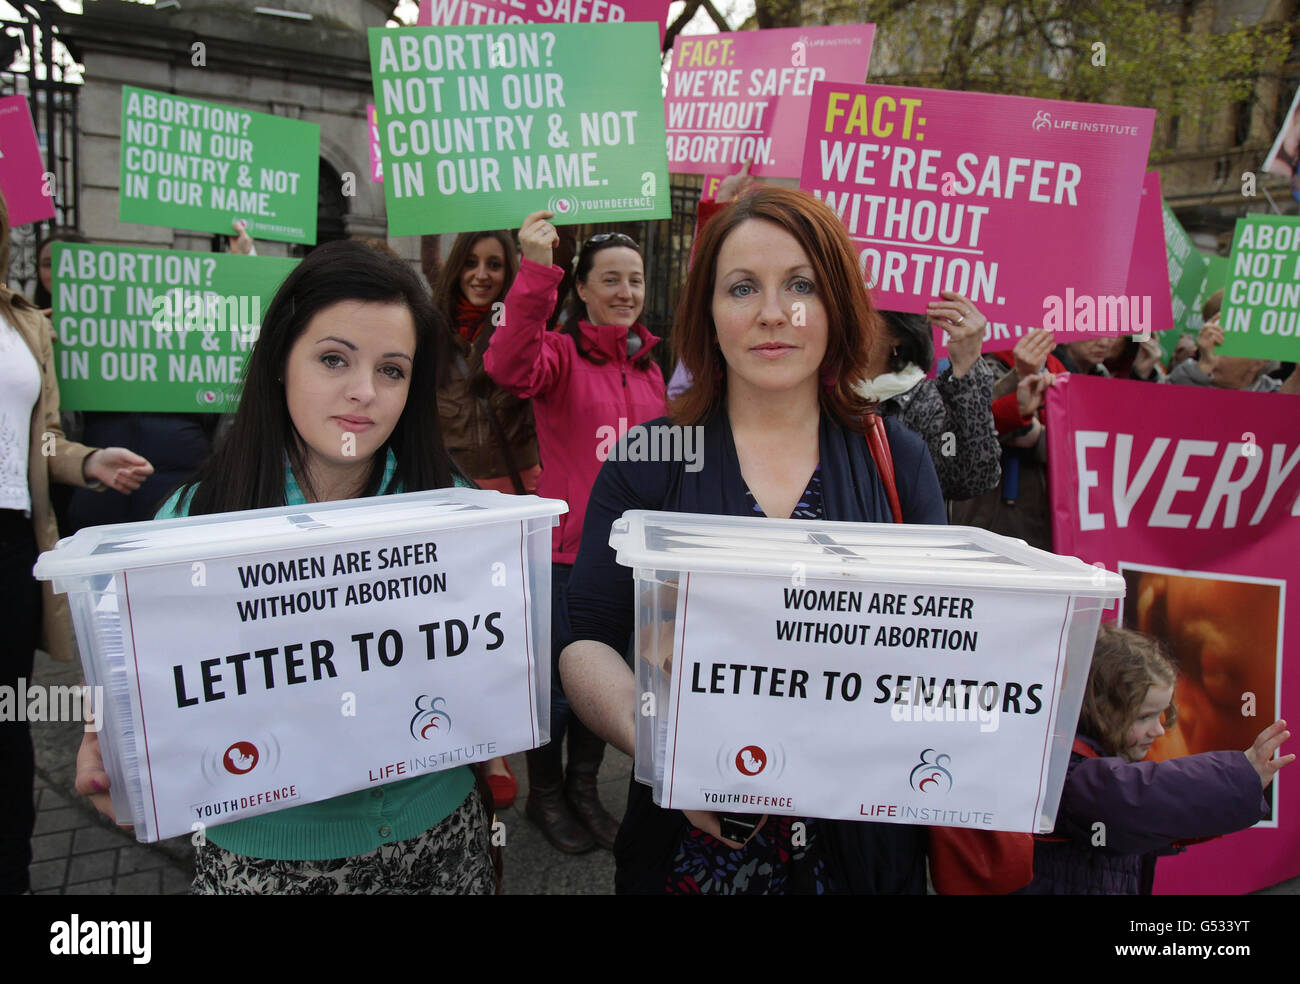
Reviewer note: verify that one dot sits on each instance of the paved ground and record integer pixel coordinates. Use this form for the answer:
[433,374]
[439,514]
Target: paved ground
[75,851]
[78,852]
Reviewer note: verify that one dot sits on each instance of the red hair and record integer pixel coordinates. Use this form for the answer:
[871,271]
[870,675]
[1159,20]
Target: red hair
[852,319]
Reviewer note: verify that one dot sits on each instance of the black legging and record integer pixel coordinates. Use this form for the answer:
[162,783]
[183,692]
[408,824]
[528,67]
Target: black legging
[20,614]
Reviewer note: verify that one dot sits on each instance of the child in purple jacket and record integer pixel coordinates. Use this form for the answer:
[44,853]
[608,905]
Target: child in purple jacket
[1118,813]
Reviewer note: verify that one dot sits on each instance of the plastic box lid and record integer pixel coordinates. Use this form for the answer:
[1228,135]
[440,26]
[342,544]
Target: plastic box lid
[949,555]
[128,546]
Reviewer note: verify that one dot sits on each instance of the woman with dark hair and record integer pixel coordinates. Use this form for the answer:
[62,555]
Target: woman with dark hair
[33,454]
[774,325]
[588,383]
[488,432]
[952,412]
[339,402]
[44,295]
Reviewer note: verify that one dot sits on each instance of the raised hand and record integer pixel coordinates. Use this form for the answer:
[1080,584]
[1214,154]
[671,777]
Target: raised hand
[1260,754]
[961,319]
[538,238]
[1032,350]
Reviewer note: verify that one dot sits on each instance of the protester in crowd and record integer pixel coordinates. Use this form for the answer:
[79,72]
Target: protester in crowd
[1019,507]
[952,413]
[348,346]
[176,443]
[33,453]
[1118,813]
[1184,348]
[1227,371]
[488,432]
[590,378]
[43,297]
[774,326]
[1085,356]
[1135,358]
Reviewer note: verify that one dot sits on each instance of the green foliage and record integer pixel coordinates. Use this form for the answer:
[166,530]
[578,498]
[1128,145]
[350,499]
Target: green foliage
[1154,54]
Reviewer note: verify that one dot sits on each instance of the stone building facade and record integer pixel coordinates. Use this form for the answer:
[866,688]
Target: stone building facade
[315,67]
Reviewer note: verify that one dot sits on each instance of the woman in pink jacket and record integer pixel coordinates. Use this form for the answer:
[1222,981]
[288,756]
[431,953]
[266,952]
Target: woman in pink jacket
[589,381]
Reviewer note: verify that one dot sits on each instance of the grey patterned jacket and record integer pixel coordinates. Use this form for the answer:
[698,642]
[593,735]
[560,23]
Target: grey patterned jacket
[955,418]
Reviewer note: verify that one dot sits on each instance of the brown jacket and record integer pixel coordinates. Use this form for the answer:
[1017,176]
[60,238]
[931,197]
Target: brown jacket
[64,465]
[467,430]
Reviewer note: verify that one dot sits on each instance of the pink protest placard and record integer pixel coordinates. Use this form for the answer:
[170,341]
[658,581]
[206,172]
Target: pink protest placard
[372,129]
[1190,493]
[1146,305]
[22,175]
[1148,270]
[453,13]
[745,95]
[1004,199]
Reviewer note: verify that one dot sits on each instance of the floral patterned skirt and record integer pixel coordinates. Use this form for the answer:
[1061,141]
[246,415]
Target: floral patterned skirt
[449,859]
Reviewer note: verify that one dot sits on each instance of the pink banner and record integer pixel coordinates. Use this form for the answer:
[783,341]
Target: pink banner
[1193,495]
[22,175]
[1007,200]
[452,13]
[745,95]
[372,129]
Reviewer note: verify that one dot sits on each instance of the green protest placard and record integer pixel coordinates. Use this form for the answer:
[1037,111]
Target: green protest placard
[1261,299]
[189,164]
[479,126]
[1187,267]
[1216,272]
[156,330]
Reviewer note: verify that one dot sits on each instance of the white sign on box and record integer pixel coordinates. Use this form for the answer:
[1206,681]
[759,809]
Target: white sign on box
[284,678]
[897,703]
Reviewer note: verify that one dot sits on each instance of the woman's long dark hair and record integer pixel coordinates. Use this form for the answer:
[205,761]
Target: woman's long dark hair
[247,469]
[447,294]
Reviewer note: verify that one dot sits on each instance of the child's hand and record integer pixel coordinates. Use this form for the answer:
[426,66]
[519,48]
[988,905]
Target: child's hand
[1260,754]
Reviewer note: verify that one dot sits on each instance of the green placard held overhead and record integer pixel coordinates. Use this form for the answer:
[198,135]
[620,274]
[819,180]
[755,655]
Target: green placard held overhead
[190,164]
[480,126]
[1187,266]
[157,330]
[1261,299]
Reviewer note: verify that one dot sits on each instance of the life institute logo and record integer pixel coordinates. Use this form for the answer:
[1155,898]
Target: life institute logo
[1043,121]
[430,718]
[931,775]
[240,758]
[751,760]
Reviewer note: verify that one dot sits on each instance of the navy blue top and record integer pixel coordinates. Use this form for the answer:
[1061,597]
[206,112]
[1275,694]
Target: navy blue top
[858,857]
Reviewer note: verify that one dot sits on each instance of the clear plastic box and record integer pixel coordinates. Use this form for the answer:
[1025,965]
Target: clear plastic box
[661,547]
[90,567]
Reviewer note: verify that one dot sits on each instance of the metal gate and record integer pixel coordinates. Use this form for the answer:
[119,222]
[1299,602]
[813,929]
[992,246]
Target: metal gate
[40,65]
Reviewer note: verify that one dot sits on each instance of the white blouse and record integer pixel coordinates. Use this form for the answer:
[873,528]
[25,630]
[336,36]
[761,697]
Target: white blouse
[20,385]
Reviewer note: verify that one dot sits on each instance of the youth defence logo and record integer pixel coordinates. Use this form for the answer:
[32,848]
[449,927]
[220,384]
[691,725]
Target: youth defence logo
[429,718]
[240,758]
[930,775]
[563,205]
[751,760]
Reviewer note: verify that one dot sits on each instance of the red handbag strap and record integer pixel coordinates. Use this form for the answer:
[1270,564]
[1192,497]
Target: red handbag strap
[878,441]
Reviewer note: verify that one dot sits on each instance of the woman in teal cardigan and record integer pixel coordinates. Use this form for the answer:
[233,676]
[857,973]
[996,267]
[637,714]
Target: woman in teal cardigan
[339,402]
